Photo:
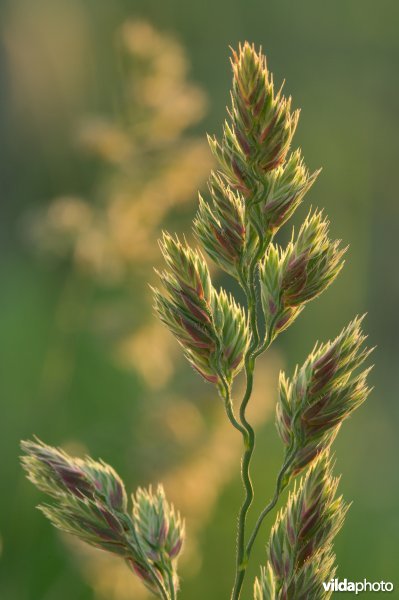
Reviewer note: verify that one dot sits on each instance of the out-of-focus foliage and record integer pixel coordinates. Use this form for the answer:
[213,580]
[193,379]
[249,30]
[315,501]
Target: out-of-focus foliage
[76,331]
[150,166]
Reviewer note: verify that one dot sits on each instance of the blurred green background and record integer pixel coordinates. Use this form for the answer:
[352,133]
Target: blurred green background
[76,329]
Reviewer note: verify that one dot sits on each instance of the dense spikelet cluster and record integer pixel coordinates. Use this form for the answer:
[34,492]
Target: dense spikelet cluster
[221,227]
[210,325]
[284,189]
[160,528]
[293,276]
[57,474]
[262,125]
[321,394]
[258,185]
[300,553]
[91,503]
[160,533]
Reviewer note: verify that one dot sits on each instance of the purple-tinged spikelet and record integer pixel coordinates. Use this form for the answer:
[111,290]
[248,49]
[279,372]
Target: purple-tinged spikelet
[220,226]
[262,125]
[91,503]
[210,326]
[300,553]
[292,277]
[160,528]
[321,394]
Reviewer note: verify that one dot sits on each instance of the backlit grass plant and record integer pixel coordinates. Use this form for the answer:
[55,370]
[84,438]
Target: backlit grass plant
[258,184]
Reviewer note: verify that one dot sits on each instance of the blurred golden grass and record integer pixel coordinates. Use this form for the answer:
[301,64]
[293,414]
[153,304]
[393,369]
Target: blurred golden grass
[151,165]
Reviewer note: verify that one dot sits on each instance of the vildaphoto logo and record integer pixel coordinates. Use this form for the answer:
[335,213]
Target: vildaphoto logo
[335,585]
